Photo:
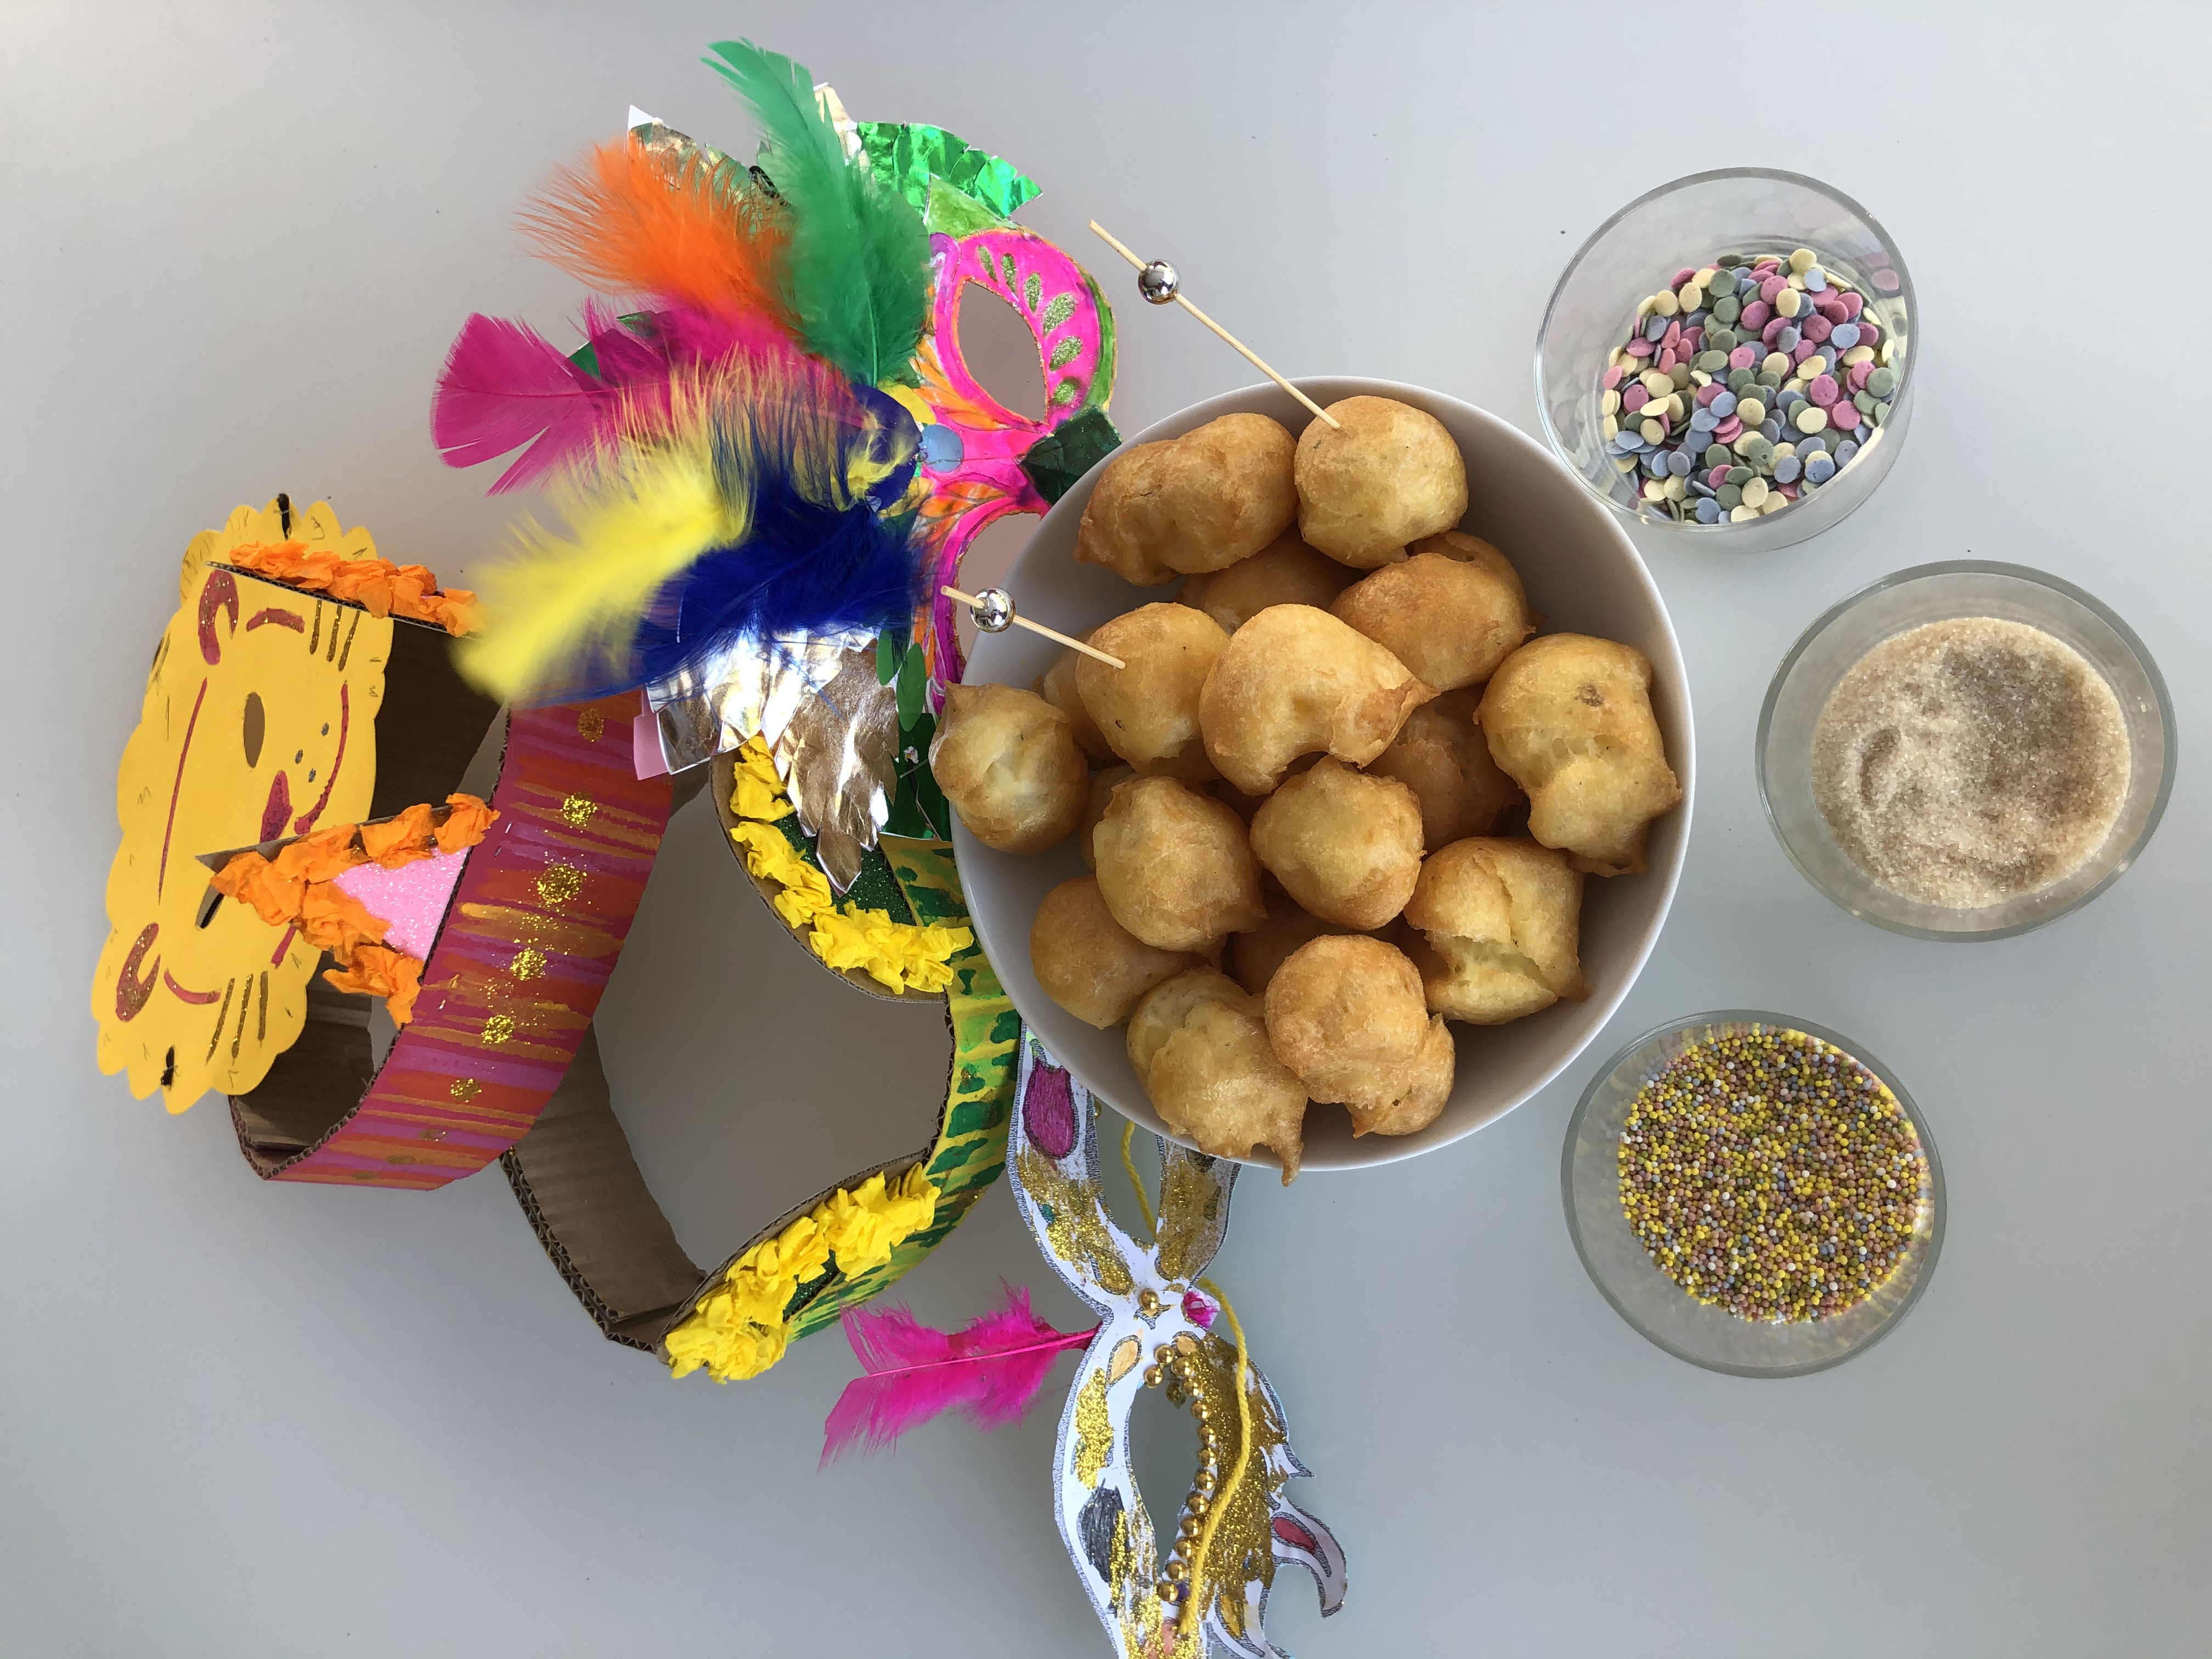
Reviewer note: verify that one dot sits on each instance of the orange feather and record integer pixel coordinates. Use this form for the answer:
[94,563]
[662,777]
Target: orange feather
[631,220]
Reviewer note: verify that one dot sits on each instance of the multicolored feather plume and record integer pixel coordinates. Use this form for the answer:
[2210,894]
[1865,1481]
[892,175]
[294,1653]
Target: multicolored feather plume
[856,274]
[651,222]
[992,1368]
[562,611]
[746,497]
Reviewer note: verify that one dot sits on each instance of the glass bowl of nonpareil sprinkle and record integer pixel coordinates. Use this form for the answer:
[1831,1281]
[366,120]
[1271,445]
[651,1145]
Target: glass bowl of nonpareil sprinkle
[1753,1194]
[1965,751]
[1729,357]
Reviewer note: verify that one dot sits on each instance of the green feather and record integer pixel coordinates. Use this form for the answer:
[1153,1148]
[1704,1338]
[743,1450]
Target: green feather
[856,274]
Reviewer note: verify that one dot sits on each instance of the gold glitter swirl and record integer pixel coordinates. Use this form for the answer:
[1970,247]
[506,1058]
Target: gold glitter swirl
[576,810]
[465,1088]
[1074,1225]
[559,883]
[1193,1216]
[529,962]
[1130,1558]
[1242,1546]
[498,1029]
[590,724]
[1094,1429]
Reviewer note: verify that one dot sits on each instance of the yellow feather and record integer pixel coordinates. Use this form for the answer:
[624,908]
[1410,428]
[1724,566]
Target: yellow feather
[562,599]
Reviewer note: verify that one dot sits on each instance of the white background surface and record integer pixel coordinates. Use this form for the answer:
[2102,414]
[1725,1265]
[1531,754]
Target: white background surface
[240,1419]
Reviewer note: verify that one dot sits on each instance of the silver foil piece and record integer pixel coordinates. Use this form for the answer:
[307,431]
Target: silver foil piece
[837,755]
[747,686]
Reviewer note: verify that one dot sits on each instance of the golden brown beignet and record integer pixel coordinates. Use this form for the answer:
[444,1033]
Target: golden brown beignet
[1199,1047]
[1569,717]
[1175,866]
[1007,761]
[1345,845]
[1198,503]
[1147,711]
[1285,572]
[1386,474]
[1501,922]
[1295,679]
[1451,613]
[1087,961]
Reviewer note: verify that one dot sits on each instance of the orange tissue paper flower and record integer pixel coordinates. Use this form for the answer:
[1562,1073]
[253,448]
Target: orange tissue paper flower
[400,840]
[465,826]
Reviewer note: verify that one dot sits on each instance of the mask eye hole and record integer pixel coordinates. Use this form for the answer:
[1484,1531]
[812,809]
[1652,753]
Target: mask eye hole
[257,727]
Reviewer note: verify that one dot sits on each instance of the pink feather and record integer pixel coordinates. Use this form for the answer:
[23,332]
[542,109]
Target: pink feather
[505,384]
[992,1368]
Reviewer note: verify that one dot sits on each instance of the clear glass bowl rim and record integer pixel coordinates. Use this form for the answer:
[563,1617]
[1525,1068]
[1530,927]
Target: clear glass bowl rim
[1849,204]
[2059,585]
[1938,1205]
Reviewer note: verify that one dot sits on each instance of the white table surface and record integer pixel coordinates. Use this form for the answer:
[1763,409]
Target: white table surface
[241,1420]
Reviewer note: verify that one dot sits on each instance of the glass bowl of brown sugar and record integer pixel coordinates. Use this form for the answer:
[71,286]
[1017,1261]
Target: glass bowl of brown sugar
[1965,751]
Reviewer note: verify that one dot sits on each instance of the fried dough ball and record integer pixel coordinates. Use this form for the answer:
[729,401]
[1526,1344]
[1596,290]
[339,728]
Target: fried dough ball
[1386,474]
[1087,961]
[1423,1091]
[1501,921]
[1345,845]
[1198,503]
[1451,613]
[1174,867]
[1285,572]
[1294,679]
[1569,717]
[1199,1047]
[1056,685]
[1148,711]
[1346,1014]
[1094,808]
[1254,957]
[1007,761]
[1440,755]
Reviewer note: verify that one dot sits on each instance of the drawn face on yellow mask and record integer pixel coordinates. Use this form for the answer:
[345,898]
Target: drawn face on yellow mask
[259,722]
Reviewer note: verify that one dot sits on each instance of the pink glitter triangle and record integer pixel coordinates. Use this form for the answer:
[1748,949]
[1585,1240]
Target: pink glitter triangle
[411,901]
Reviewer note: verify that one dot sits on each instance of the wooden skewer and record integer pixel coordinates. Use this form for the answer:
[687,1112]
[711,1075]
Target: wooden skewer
[1020,621]
[1248,355]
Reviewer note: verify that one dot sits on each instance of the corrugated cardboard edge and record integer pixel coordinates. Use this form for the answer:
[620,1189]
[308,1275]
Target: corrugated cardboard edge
[454,1094]
[578,1182]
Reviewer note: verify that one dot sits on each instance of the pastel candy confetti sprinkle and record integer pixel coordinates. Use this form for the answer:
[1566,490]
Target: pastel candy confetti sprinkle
[1732,394]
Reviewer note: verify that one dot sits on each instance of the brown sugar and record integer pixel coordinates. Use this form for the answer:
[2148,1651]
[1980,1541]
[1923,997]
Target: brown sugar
[1968,761]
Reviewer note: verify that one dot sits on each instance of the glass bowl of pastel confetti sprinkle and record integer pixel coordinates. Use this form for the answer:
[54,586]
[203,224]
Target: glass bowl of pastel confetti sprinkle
[1729,356]
[1753,1194]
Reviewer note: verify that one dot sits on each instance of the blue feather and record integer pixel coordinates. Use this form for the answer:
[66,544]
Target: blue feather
[805,569]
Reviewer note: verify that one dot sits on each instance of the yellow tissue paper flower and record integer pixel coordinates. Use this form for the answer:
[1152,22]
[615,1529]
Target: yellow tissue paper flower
[898,954]
[737,1330]
[758,793]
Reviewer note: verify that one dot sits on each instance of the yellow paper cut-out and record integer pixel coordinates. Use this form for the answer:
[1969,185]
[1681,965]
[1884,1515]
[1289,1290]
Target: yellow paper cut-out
[259,722]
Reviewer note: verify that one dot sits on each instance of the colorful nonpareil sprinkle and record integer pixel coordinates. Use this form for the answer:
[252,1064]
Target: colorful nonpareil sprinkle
[1771,1175]
[1745,385]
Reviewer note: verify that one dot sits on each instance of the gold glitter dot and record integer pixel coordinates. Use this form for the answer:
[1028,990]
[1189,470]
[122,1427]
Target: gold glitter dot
[429,1135]
[576,810]
[465,1088]
[590,723]
[559,883]
[529,962]
[498,1029]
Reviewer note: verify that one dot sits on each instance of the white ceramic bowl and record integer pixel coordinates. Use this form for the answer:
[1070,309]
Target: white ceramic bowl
[1581,573]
